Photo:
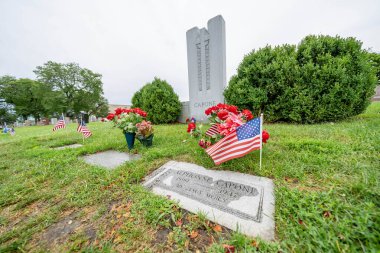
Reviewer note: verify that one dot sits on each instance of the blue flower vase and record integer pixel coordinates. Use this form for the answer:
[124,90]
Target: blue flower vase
[130,137]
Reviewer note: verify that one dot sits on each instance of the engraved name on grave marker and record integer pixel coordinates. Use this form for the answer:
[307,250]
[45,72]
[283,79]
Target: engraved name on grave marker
[206,59]
[231,199]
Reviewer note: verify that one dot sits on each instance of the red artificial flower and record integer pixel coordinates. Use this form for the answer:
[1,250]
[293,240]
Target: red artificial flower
[118,111]
[233,109]
[248,114]
[202,143]
[211,110]
[125,110]
[110,116]
[221,106]
[223,114]
[191,126]
[102,120]
[139,112]
[266,136]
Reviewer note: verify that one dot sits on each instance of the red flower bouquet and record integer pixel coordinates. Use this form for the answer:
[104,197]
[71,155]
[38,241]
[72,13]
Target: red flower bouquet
[224,119]
[126,119]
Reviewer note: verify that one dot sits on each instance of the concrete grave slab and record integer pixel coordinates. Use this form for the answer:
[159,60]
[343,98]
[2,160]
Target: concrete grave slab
[235,200]
[69,146]
[110,159]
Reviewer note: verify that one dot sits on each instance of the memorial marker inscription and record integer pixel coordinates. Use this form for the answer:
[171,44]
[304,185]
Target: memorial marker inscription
[235,200]
[206,59]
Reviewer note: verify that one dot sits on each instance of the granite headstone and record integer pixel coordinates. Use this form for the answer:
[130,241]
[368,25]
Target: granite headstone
[237,201]
[206,58]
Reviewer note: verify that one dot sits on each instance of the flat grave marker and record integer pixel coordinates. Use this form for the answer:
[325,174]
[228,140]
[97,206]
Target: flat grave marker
[69,146]
[235,200]
[110,159]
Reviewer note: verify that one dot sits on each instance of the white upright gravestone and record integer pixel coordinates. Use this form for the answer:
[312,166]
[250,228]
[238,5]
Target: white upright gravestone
[206,59]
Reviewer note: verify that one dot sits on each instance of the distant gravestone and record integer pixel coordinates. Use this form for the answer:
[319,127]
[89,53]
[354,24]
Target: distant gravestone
[377,94]
[206,58]
[237,201]
[53,121]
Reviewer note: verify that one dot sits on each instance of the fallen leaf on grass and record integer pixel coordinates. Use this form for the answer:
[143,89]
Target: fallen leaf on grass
[300,222]
[228,248]
[211,239]
[193,234]
[255,243]
[326,214]
[291,180]
[179,223]
[113,208]
[217,228]
[117,239]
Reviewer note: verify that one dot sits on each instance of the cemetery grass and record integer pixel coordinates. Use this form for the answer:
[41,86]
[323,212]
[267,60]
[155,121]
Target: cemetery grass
[326,188]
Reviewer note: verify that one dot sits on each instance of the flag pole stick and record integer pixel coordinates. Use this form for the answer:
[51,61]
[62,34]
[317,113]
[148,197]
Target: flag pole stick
[63,118]
[81,121]
[261,138]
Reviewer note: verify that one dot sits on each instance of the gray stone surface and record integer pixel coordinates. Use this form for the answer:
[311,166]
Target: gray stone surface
[185,112]
[206,59]
[237,201]
[377,94]
[69,146]
[110,159]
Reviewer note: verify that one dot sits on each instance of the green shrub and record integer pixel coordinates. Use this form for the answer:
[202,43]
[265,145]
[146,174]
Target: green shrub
[323,79]
[159,101]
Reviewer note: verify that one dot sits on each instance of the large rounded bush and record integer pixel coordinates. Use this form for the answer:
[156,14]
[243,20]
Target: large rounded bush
[159,100]
[323,79]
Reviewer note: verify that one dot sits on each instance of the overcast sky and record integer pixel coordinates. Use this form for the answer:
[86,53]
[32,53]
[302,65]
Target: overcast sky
[131,42]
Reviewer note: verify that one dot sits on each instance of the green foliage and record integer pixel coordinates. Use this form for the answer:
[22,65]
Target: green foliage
[100,108]
[28,97]
[127,122]
[375,62]
[7,113]
[322,79]
[80,88]
[159,100]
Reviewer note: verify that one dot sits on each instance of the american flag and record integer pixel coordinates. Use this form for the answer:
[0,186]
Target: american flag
[83,129]
[60,124]
[212,130]
[245,139]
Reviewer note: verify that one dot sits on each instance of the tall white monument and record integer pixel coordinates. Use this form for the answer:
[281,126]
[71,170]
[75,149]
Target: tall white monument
[206,59]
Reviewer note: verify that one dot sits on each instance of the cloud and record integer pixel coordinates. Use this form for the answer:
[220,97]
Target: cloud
[131,42]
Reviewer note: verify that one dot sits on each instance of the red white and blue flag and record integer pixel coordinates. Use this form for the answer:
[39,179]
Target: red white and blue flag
[244,140]
[213,130]
[83,129]
[60,124]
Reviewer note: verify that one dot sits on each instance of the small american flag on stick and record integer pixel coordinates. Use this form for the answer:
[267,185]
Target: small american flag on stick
[245,139]
[212,130]
[83,129]
[60,124]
